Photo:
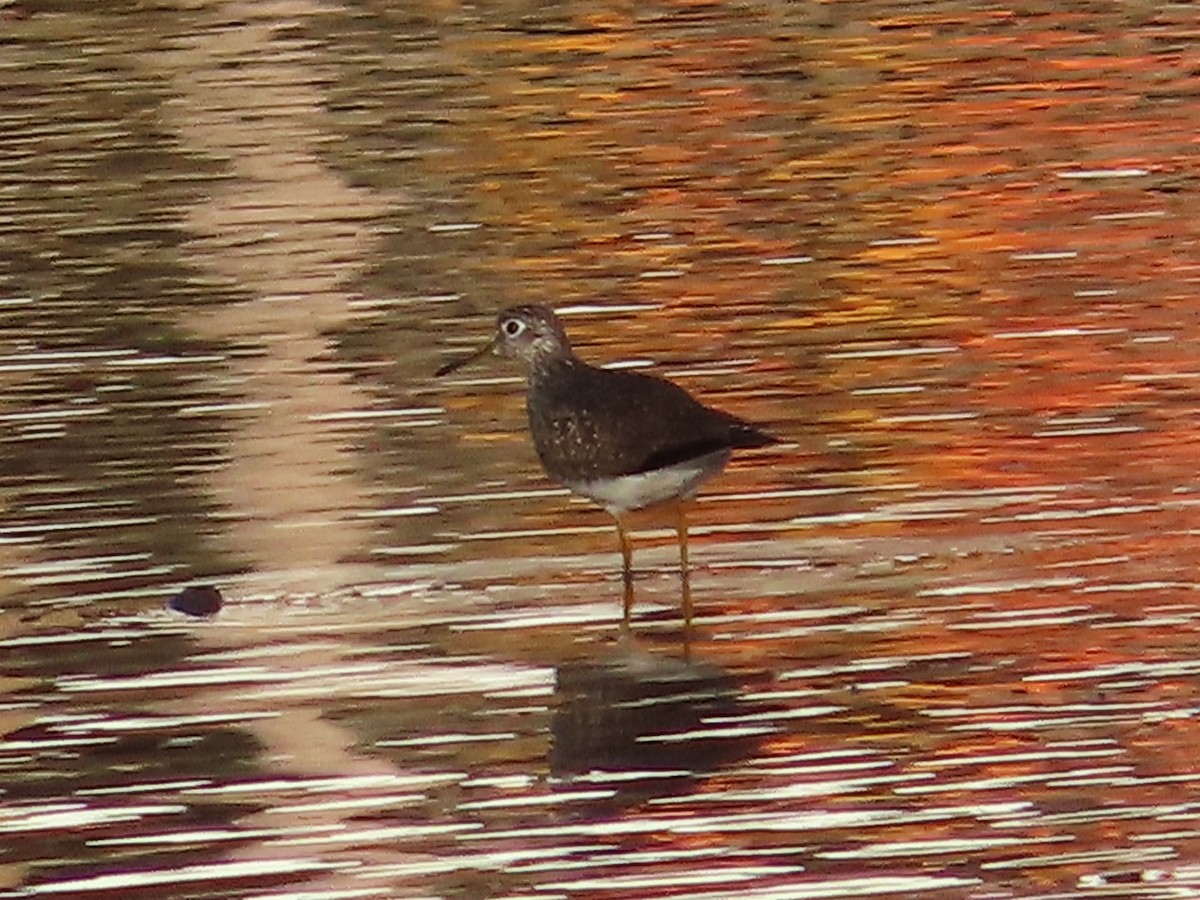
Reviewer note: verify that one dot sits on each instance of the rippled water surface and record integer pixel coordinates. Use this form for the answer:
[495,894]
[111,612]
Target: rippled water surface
[946,639]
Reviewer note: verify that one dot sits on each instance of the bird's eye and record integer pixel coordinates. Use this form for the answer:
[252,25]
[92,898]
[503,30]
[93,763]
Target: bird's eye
[513,327]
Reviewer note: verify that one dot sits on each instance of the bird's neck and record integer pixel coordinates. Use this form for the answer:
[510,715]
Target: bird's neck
[549,366]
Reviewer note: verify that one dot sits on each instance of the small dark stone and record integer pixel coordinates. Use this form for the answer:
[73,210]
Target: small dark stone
[197,600]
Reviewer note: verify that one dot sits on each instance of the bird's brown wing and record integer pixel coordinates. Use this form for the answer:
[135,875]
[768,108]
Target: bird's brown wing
[593,423]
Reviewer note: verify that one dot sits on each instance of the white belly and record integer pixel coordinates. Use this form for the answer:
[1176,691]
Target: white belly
[647,488]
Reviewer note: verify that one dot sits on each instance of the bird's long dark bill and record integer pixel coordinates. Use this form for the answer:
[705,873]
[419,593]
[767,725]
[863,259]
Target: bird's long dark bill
[455,365]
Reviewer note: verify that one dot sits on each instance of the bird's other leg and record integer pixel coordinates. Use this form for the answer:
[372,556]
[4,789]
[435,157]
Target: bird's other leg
[681,531]
[626,571]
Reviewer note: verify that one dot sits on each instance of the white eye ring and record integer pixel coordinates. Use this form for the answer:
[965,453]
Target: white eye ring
[513,327]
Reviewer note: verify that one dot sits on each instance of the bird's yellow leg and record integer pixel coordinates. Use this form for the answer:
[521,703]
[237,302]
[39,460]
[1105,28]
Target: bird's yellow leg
[626,572]
[681,531]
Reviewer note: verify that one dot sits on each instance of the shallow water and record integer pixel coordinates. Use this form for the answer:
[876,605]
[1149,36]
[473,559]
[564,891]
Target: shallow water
[945,630]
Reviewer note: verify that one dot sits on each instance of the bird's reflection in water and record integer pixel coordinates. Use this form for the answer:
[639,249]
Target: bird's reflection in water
[648,713]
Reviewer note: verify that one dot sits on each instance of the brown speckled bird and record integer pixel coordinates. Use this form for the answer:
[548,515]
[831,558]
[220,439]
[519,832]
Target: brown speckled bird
[626,440]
